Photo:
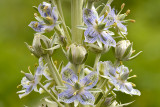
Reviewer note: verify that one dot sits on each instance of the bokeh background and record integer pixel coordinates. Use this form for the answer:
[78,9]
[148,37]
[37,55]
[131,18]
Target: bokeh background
[15,15]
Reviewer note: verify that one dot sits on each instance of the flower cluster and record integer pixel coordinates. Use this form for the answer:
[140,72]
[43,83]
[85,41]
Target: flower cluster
[79,84]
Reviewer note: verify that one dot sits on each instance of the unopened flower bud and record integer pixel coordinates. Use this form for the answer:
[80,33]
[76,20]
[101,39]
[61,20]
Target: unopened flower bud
[123,50]
[95,48]
[39,45]
[77,54]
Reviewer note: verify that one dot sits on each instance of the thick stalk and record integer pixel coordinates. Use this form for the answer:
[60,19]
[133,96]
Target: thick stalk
[76,17]
[98,56]
[59,104]
[53,70]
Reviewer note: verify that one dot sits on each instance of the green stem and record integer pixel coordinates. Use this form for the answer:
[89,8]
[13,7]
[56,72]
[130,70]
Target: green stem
[105,8]
[60,105]
[76,17]
[104,96]
[101,85]
[53,70]
[98,56]
[59,7]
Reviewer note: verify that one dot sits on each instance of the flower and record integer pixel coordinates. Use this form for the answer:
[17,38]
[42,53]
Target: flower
[78,89]
[117,20]
[97,28]
[118,77]
[29,82]
[47,20]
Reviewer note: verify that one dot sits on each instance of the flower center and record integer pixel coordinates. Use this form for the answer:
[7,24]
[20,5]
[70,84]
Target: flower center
[77,86]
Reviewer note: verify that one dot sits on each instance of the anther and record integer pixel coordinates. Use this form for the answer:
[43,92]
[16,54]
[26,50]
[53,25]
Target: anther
[45,8]
[122,6]
[133,21]
[127,12]
[36,25]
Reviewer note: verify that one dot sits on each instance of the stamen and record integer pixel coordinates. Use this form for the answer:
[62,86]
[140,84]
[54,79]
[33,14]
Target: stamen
[127,12]
[122,6]
[55,62]
[45,8]
[105,14]
[36,25]
[133,51]
[133,84]
[133,21]
[96,21]
[90,83]
[132,76]
[35,14]
[121,63]
[48,18]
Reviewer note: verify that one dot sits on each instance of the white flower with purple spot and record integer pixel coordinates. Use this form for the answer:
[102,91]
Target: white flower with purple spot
[29,82]
[116,20]
[97,28]
[78,89]
[47,20]
[118,77]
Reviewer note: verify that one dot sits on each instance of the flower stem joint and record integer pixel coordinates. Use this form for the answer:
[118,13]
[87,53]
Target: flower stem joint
[77,54]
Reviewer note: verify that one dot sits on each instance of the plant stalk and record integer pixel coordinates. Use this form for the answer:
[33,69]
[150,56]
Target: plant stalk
[60,105]
[53,70]
[76,17]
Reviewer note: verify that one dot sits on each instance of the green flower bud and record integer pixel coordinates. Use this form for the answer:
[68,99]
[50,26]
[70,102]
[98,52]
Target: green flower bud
[123,50]
[77,54]
[40,45]
[95,48]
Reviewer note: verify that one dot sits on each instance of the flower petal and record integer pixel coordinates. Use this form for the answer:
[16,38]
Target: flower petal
[67,96]
[122,28]
[37,26]
[90,80]
[90,35]
[89,17]
[45,12]
[69,76]
[107,39]
[86,98]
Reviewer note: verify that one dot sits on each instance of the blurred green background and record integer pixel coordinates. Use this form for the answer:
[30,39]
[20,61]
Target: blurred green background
[15,15]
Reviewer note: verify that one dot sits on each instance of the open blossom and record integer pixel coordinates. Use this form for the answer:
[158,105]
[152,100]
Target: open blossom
[29,82]
[47,20]
[97,28]
[78,89]
[117,20]
[118,77]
